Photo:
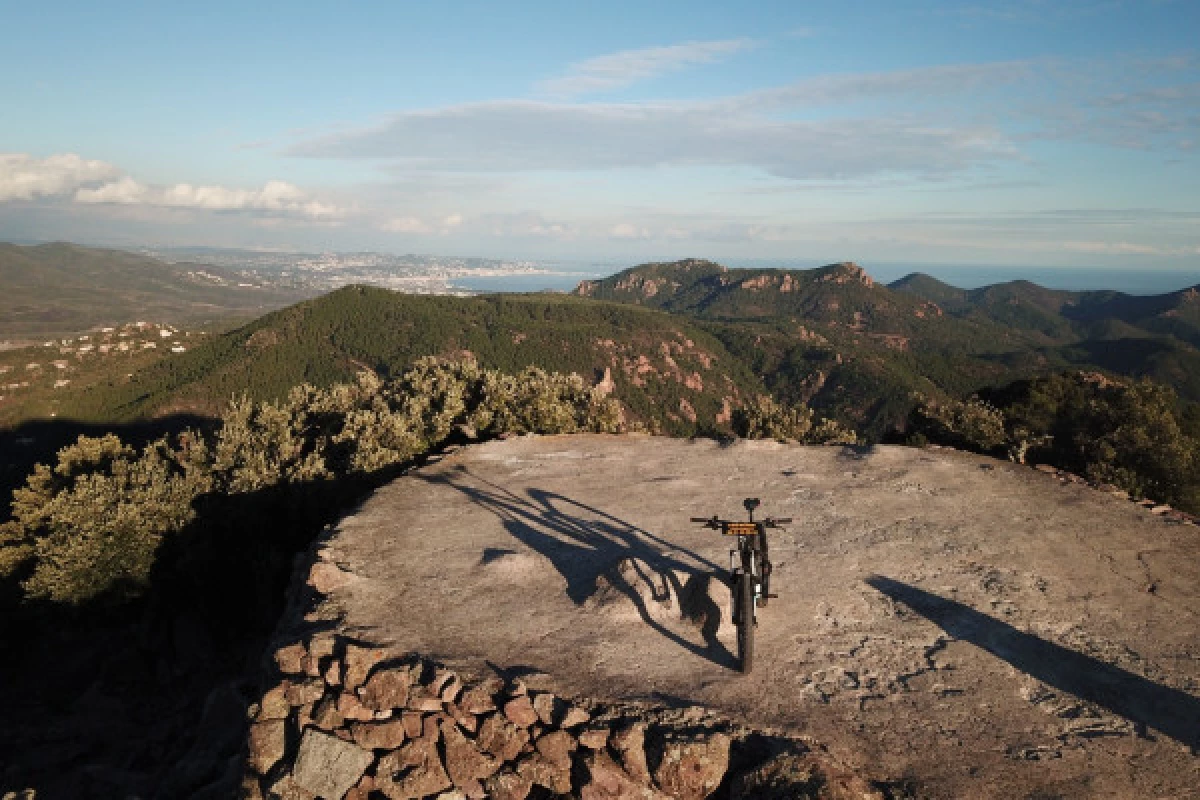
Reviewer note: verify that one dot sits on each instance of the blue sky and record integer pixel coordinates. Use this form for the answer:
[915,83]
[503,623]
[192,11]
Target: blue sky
[1028,132]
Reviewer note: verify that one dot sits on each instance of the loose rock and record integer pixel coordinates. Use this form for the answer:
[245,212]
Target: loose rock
[520,711]
[692,767]
[419,768]
[379,735]
[501,738]
[387,689]
[358,662]
[327,766]
[630,745]
[507,786]
[267,744]
[464,762]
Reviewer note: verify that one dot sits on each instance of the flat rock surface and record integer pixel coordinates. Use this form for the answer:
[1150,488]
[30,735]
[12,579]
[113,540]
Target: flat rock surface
[970,625]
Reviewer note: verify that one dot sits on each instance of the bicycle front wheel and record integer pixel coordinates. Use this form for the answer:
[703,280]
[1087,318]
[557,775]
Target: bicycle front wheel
[745,639]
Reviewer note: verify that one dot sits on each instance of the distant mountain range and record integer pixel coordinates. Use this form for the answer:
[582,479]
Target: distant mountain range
[62,289]
[680,343]
[858,349]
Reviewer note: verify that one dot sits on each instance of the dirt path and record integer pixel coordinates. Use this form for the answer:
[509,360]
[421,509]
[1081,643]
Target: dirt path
[972,625]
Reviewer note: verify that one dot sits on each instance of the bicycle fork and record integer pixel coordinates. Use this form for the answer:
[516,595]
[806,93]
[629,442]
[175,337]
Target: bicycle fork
[751,575]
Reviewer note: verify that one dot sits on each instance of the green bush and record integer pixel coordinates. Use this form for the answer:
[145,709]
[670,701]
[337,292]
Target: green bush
[1132,434]
[92,526]
[765,418]
[970,424]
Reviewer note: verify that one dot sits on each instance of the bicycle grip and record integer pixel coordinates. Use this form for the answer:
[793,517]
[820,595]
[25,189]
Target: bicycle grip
[782,520]
[701,519]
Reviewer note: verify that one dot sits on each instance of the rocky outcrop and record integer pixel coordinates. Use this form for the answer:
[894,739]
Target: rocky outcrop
[345,719]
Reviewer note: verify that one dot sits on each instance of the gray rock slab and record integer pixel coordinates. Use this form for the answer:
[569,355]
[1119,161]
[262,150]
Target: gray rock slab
[973,624]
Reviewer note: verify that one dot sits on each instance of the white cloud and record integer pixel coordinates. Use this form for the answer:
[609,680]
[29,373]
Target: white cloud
[625,230]
[406,225]
[69,176]
[23,177]
[275,197]
[124,190]
[616,70]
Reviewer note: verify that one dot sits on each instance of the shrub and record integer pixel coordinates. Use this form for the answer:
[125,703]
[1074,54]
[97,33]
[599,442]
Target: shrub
[971,424]
[93,525]
[765,418]
[1131,434]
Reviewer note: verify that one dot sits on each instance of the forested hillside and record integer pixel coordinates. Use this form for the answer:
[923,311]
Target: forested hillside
[667,372]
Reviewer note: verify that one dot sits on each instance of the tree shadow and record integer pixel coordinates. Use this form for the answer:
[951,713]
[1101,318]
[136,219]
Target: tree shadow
[583,543]
[1173,712]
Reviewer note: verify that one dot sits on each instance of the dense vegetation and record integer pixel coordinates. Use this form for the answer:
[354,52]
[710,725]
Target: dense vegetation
[1131,434]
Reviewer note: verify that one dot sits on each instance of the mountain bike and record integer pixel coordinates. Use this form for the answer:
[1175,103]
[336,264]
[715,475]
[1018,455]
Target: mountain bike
[750,572]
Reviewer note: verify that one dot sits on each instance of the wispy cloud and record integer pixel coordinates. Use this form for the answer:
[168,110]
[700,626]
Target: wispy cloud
[617,70]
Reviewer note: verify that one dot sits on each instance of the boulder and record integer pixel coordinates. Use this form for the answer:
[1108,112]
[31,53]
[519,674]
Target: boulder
[594,737]
[574,717]
[387,689]
[413,771]
[379,735]
[326,714]
[351,708]
[794,775]
[309,691]
[520,711]
[691,767]
[450,690]
[501,738]
[468,722]
[274,703]
[557,747]
[548,707]
[480,698]
[325,577]
[464,762]
[607,781]
[327,766]
[420,698]
[268,741]
[507,786]
[541,771]
[290,659]
[412,723]
[629,743]
[358,662]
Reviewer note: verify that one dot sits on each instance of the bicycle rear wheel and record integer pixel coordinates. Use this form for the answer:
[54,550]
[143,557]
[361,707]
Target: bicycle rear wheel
[745,637]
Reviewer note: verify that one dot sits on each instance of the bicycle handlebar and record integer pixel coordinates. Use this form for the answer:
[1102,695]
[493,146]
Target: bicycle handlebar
[769,522]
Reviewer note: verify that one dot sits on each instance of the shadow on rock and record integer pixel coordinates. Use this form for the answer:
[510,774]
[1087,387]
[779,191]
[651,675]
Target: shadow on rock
[1143,702]
[603,557]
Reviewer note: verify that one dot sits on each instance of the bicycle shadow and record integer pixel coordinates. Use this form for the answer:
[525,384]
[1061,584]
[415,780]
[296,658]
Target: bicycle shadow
[584,543]
[1141,701]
